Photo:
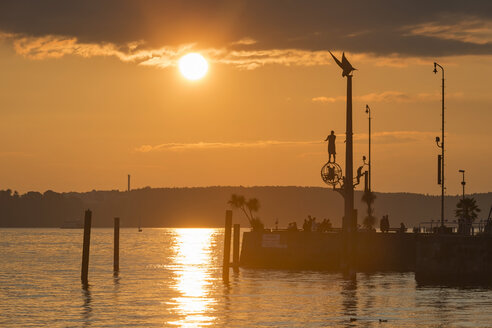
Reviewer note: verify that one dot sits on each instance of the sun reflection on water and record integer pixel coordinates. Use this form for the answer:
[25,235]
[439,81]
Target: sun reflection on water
[191,261]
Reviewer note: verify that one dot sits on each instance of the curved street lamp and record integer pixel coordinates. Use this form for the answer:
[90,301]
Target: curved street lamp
[463,182]
[368,111]
[436,65]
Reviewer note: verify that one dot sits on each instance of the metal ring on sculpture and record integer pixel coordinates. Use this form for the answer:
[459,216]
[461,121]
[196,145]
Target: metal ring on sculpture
[331,173]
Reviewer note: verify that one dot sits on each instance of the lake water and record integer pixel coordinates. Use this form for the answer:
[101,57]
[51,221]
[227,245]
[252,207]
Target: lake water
[172,278]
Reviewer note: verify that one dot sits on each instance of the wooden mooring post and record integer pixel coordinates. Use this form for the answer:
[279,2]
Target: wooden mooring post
[86,246]
[116,255]
[235,247]
[227,246]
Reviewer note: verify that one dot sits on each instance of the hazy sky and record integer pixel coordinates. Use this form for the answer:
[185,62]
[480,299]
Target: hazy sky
[90,92]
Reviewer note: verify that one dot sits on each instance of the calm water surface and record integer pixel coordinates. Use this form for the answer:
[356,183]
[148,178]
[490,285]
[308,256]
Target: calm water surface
[172,278]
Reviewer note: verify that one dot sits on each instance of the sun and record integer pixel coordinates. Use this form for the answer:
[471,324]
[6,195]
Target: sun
[193,66]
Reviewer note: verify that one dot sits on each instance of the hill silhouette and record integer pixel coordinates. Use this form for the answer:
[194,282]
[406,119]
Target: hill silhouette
[205,206]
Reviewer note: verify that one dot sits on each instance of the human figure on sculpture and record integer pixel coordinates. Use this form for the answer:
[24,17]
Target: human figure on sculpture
[359,173]
[331,146]
[331,173]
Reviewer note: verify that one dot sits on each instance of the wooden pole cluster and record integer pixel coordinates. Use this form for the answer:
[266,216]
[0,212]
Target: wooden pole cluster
[87,243]
[116,253]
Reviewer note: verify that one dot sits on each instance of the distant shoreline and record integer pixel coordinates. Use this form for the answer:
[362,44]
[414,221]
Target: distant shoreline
[205,207]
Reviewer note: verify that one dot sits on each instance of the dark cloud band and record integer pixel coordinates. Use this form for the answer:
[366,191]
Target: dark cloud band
[381,27]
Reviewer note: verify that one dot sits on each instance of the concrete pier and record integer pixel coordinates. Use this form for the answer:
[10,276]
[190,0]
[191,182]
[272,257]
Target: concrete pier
[323,251]
[454,259]
[435,258]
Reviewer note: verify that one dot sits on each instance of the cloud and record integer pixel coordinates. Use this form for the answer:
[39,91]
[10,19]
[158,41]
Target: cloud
[437,96]
[5,36]
[56,47]
[288,57]
[380,27]
[220,145]
[327,100]
[391,97]
[50,46]
[245,41]
[386,96]
[53,46]
[468,30]
[379,137]
[396,137]
[248,60]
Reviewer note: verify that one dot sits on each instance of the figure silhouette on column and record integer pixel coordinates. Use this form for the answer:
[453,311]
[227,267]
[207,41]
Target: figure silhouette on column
[359,173]
[331,173]
[331,146]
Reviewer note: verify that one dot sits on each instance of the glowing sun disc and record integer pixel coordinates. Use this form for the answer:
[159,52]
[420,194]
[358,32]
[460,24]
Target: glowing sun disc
[193,66]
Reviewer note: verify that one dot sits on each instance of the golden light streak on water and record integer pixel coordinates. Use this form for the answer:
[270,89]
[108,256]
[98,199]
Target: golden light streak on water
[192,254]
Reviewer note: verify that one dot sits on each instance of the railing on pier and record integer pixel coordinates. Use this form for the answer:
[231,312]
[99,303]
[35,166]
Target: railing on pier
[433,225]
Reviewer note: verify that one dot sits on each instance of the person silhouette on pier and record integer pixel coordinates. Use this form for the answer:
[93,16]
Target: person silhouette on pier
[331,146]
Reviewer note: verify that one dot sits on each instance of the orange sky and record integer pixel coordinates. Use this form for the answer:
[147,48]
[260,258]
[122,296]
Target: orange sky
[80,114]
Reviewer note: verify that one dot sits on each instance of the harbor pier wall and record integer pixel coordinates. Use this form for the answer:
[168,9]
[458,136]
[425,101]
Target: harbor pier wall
[454,258]
[299,250]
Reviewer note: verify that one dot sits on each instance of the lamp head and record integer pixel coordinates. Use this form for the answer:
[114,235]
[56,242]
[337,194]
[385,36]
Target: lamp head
[435,68]
[367,108]
[462,171]
[364,158]
[438,139]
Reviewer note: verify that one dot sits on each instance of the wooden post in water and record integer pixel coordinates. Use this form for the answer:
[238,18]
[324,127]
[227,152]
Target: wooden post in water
[86,245]
[116,256]
[227,246]
[235,246]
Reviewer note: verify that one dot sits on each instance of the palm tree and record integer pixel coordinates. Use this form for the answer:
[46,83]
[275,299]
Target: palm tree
[238,201]
[253,205]
[466,211]
[467,208]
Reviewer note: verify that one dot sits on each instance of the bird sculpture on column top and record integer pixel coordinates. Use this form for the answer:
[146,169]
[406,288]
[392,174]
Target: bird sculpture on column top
[344,65]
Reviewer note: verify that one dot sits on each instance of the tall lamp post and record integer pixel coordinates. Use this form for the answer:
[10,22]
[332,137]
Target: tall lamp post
[368,111]
[441,177]
[463,183]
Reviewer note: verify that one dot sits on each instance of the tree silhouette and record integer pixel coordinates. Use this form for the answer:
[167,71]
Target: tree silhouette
[238,201]
[252,205]
[466,212]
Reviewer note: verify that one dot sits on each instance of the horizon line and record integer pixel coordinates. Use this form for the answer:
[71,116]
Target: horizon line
[236,186]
